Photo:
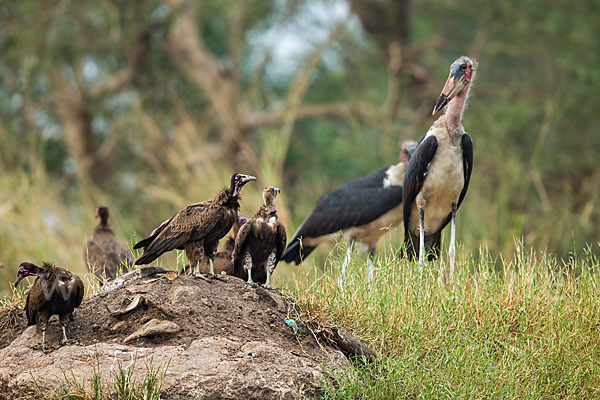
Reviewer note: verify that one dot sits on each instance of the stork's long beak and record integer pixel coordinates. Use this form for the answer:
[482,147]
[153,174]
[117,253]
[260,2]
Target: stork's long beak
[19,278]
[454,85]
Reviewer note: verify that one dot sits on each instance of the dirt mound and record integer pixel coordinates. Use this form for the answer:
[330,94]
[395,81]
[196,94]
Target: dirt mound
[217,338]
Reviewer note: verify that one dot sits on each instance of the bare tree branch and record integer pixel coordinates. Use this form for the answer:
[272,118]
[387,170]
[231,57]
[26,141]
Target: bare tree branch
[363,111]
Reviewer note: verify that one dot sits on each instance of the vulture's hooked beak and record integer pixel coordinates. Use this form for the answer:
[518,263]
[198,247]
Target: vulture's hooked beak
[277,191]
[248,178]
[455,84]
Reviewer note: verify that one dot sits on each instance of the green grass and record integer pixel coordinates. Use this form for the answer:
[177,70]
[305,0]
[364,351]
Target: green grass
[524,328]
[120,384]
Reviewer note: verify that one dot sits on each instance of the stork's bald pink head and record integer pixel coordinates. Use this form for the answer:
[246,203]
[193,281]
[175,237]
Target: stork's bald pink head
[461,75]
[408,148]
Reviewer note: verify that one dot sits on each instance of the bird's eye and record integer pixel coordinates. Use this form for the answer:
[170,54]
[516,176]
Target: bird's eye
[463,67]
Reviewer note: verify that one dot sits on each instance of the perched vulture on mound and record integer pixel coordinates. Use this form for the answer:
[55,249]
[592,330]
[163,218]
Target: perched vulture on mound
[197,228]
[361,211]
[103,254]
[260,242]
[55,291]
[222,261]
[438,174]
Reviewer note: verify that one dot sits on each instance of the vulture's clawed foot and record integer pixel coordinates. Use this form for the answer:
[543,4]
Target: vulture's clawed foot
[220,278]
[203,277]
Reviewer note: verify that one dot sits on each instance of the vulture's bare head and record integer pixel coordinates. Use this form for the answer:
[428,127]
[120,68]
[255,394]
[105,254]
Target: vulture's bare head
[269,195]
[102,215]
[461,75]
[238,181]
[27,269]
[408,149]
[238,224]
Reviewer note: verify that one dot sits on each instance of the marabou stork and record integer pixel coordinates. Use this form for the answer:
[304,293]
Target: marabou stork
[439,171]
[361,211]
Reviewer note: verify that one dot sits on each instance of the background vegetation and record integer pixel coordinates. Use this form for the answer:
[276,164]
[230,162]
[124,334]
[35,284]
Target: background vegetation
[146,106]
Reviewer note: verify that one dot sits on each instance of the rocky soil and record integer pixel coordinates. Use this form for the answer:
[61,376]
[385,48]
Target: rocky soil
[216,339]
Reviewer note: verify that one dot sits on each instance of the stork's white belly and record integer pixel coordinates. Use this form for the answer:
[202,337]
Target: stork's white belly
[442,186]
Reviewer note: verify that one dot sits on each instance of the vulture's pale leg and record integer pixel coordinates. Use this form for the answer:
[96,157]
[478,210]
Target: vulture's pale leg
[452,250]
[421,236]
[200,251]
[270,267]
[346,262]
[210,262]
[196,270]
[371,262]
[248,266]
[43,339]
[64,330]
[64,321]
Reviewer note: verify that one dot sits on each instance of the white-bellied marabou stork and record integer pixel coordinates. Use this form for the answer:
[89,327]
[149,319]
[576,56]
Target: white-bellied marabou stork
[439,171]
[361,211]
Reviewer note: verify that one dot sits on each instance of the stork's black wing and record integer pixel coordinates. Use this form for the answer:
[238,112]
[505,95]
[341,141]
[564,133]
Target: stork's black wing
[413,183]
[355,203]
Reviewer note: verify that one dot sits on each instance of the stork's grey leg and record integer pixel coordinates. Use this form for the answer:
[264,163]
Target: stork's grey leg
[248,266]
[270,267]
[452,250]
[210,262]
[371,262]
[421,235]
[44,339]
[346,262]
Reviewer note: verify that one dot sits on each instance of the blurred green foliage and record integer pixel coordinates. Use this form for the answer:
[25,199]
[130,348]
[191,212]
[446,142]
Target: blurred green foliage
[158,140]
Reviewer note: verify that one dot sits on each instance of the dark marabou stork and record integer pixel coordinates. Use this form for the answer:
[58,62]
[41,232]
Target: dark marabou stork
[361,211]
[55,291]
[438,174]
[103,254]
[197,228]
[260,242]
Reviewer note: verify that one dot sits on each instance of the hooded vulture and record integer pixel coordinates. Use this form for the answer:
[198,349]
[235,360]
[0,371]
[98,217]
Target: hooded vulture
[361,211]
[197,228]
[439,172]
[260,242]
[103,254]
[55,291]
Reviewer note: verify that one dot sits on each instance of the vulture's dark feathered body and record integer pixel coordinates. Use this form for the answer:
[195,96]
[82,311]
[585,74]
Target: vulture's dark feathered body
[438,174]
[103,254]
[260,242]
[197,228]
[222,262]
[362,210]
[55,291]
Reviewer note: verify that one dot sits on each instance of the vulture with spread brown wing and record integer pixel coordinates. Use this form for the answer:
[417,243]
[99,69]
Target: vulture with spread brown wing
[103,254]
[260,242]
[197,228]
[55,291]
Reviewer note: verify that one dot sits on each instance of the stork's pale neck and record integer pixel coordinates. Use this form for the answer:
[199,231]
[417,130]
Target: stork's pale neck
[454,113]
